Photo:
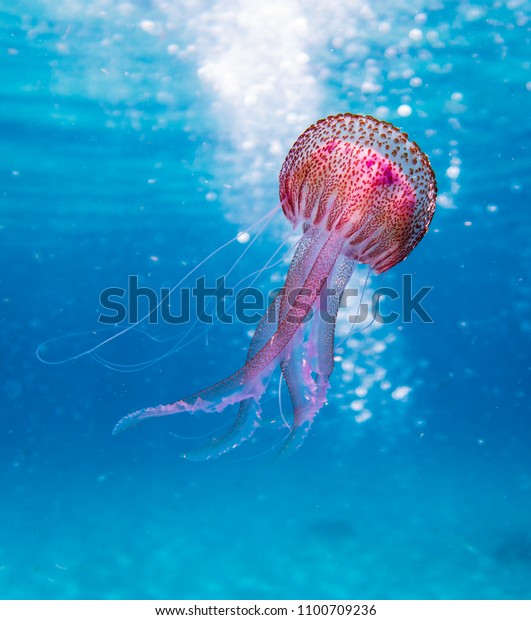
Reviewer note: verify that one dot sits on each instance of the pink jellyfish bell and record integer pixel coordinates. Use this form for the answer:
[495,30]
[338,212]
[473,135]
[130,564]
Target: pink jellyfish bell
[364,193]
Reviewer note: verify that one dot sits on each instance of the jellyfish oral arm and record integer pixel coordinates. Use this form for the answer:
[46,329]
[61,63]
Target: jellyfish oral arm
[250,380]
[308,368]
[248,417]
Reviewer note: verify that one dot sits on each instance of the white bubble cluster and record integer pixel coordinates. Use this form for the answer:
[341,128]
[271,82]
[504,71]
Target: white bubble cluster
[401,393]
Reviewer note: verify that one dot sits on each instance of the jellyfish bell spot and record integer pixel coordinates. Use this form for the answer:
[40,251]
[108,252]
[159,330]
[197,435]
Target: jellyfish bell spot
[363,193]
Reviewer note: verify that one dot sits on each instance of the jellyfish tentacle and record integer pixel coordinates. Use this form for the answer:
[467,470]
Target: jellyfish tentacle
[249,381]
[315,369]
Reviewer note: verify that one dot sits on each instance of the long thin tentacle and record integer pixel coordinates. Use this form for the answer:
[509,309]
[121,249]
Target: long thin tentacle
[40,351]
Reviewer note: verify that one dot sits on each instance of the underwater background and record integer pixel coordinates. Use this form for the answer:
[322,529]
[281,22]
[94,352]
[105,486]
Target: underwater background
[136,138]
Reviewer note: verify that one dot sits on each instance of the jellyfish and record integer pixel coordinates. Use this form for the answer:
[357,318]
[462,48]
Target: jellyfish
[363,193]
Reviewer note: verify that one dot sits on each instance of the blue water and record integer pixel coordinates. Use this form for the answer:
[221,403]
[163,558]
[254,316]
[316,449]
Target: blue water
[137,138]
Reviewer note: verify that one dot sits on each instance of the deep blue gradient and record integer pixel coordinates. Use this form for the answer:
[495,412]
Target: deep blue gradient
[428,498]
